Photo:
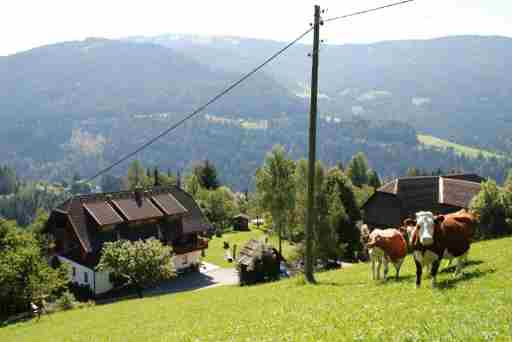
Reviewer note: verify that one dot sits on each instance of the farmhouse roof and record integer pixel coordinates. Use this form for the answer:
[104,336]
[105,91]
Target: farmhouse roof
[117,207]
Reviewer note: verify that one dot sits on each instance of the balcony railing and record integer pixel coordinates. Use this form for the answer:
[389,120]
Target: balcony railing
[190,247]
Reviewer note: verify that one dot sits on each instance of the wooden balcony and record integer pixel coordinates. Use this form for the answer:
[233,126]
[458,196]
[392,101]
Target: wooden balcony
[191,247]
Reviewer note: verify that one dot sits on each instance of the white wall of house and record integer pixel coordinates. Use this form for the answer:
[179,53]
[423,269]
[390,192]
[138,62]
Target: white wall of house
[98,282]
[183,261]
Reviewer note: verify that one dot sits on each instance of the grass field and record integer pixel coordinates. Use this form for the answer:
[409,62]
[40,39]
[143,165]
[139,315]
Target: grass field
[344,306]
[470,152]
[215,251]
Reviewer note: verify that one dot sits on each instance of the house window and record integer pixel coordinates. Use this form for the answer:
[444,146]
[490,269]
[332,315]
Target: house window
[86,277]
[74,271]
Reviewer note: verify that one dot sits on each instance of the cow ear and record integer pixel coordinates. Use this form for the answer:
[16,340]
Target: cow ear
[409,222]
[439,219]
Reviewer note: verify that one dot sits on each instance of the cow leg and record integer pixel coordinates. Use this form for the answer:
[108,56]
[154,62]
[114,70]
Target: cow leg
[379,263]
[418,273]
[398,265]
[433,272]
[386,262]
[373,267]
[460,263]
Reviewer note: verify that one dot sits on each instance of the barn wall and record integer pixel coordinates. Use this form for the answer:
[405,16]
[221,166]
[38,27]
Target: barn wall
[382,210]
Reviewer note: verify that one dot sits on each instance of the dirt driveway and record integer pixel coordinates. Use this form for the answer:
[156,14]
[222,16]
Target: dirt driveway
[209,276]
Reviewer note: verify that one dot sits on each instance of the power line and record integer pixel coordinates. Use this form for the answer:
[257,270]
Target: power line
[201,108]
[367,10]
[232,86]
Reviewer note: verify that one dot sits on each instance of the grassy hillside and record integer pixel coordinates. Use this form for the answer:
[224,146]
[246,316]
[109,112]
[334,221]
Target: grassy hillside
[344,306]
[471,152]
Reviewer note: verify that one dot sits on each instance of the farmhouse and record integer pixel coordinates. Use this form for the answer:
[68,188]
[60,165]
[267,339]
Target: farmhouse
[402,198]
[82,224]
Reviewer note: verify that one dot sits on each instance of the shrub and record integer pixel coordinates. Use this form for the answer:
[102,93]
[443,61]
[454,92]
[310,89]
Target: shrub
[492,208]
[66,301]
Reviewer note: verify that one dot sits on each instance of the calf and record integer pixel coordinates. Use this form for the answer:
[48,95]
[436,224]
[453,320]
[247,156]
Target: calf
[386,246]
[435,237]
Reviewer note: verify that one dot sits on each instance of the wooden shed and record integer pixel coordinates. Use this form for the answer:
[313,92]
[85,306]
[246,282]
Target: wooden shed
[258,263]
[241,222]
[403,197]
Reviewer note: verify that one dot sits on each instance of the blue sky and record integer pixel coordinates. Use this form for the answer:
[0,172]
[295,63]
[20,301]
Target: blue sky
[25,24]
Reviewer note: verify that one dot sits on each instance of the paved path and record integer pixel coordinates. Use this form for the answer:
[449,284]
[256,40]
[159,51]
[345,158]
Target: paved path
[209,276]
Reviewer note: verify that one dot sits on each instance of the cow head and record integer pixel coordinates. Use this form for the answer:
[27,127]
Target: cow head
[407,229]
[425,224]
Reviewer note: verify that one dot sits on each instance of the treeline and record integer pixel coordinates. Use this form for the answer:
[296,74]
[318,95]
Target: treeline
[234,146]
[281,190]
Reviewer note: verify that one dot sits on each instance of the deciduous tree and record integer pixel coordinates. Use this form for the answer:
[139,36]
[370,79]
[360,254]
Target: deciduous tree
[142,263]
[276,187]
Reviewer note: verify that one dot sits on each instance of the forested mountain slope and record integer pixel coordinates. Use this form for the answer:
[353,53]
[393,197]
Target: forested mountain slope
[458,88]
[100,77]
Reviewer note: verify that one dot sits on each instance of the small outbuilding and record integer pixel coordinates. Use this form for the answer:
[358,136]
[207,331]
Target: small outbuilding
[401,198]
[258,263]
[241,222]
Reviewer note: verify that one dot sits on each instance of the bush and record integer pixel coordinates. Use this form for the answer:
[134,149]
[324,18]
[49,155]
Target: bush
[66,301]
[492,206]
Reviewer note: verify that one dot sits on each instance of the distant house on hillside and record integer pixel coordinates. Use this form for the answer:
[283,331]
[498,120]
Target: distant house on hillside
[82,224]
[241,222]
[402,198]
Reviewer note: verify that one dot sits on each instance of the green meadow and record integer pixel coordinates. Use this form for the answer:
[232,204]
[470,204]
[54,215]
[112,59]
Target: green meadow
[471,152]
[345,305]
[215,251]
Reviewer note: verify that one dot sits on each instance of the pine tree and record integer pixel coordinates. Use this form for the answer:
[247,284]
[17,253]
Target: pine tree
[206,174]
[357,169]
[373,179]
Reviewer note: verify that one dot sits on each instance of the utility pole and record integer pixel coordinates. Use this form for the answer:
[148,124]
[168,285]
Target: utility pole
[311,215]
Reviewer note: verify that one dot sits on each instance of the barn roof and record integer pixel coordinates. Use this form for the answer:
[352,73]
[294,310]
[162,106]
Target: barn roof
[244,216]
[117,207]
[428,192]
[457,192]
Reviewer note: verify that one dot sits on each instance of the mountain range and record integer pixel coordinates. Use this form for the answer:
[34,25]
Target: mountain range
[457,88]
[69,106]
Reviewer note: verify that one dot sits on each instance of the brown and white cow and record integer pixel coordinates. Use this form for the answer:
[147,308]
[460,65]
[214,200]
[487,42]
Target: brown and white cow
[385,246]
[435,237]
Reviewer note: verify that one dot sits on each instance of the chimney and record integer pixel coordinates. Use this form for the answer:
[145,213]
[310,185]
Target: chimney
[139,196]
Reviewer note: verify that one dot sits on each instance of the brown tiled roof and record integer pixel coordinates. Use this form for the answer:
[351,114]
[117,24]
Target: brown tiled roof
[456,192]
[80,219]
[134,211]
[103,213]
[168,204]
[193,220]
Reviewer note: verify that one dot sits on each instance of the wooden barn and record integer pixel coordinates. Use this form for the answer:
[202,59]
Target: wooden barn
[402,198]
[82,224]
